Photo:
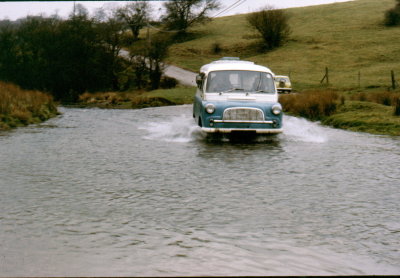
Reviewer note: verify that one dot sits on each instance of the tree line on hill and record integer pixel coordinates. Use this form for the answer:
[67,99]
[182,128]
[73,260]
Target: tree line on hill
[67,57]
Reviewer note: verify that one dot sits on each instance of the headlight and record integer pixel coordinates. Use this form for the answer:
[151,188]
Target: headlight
[210,108]
[276,109]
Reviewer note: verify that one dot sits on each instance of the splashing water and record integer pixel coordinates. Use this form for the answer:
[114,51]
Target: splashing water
[179,129]
[304,130]
[182,129]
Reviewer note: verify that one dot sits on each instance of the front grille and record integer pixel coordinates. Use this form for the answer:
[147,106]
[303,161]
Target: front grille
[243,114]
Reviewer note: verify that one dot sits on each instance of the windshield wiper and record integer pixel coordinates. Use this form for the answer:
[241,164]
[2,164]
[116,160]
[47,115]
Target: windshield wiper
[233,89]
[262,91]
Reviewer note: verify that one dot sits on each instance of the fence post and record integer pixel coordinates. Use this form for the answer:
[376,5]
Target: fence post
[326,76]
[397,107]
[393,80]
[359,79]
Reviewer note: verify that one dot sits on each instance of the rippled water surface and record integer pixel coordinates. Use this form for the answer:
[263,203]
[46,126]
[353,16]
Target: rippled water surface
[142,192]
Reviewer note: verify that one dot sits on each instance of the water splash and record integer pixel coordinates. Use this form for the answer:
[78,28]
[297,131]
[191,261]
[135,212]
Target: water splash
[180,129]
[300,129]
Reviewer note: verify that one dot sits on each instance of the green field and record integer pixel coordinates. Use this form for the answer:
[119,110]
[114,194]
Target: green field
[348,38]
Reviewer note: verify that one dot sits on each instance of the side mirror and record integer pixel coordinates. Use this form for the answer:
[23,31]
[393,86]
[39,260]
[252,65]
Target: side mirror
[199,80]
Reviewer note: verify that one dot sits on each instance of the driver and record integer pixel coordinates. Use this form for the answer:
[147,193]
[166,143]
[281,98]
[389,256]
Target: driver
[220,82]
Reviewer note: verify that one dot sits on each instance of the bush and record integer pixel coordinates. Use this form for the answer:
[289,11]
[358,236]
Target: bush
[216,48]
[314,105]
[272,25]
[385,98]
[168,82]
[104,98]
[144,102]
[392,16]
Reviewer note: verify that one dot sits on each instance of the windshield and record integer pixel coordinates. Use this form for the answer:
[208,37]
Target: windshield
[240,81]
[282,79]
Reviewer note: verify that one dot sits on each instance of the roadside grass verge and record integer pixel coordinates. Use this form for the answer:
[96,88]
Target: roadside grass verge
[138,99]
[23,107]
[365,117]
[373,113]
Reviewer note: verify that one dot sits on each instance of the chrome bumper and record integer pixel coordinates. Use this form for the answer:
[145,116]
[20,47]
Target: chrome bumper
[229,130]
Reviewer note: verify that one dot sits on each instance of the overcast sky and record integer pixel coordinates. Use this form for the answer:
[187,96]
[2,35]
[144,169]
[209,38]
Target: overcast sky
[14,10]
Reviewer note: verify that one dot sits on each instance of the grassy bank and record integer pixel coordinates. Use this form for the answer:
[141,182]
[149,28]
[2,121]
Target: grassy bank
[365,117]
[373,113]
[21,107]
[137,100]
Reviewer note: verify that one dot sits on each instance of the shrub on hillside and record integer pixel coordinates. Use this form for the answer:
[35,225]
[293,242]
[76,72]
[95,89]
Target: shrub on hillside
[272,25]
[216,48]
[392,16]
[314,105]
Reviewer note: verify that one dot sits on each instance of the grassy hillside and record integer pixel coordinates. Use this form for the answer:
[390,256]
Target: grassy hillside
[348,38]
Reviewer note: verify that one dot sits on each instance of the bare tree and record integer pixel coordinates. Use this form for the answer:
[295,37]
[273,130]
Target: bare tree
[135,15]
[79,11]
[272,25]
[147,61]
[182,14]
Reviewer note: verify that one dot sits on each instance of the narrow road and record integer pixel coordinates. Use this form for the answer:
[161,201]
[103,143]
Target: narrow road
[184,77]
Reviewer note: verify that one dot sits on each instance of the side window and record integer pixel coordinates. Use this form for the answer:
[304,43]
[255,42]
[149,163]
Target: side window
[268,83]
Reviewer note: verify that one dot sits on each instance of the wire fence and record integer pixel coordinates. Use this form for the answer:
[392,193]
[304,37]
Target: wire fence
[390,80]
[394,84]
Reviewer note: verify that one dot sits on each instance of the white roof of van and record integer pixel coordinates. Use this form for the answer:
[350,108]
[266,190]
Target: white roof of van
[233,64]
